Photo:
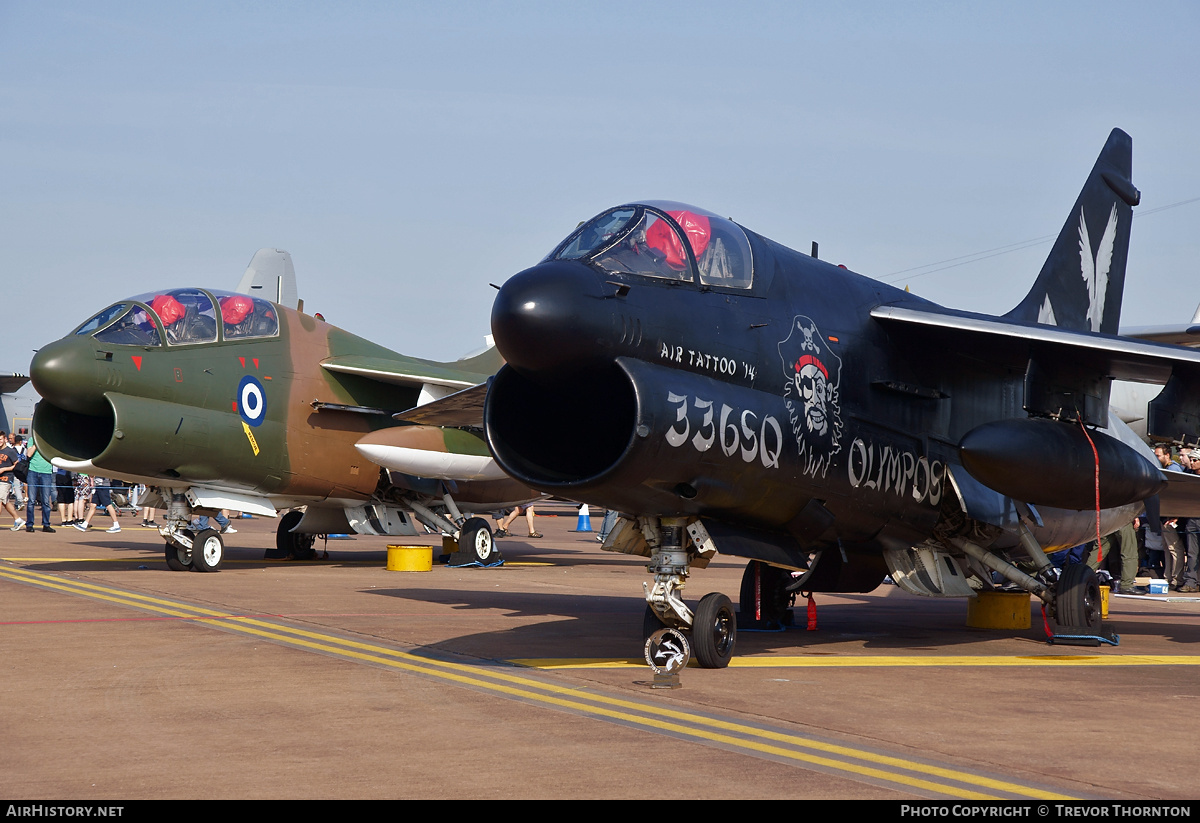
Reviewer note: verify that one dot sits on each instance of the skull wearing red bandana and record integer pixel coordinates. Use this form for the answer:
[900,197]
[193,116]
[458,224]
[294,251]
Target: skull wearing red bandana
[811,394]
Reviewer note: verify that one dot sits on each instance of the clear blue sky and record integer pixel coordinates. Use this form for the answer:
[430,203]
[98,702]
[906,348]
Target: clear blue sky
[409,154]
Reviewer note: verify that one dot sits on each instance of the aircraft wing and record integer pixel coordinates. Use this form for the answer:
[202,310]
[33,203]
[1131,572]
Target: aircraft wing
[464,408]
[1063,363]
[10,383]
[1187,335]
[1181,497]
[1179,335]
[403,371]
[1123,358]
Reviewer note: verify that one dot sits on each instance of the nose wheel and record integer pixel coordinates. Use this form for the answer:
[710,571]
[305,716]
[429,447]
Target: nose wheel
[205,553]
[179,557]
[208,550]
[714,631]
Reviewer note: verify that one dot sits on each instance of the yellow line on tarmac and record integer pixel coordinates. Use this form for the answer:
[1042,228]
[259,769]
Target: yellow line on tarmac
[888,661]
[108,594]
[341,561]
[134,559]
[587,703]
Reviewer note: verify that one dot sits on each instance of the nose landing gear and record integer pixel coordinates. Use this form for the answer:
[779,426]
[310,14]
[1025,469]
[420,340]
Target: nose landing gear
[713,626]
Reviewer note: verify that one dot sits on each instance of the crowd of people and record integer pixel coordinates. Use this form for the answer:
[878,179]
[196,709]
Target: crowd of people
[1151,546]
[1171,548]
[78,497]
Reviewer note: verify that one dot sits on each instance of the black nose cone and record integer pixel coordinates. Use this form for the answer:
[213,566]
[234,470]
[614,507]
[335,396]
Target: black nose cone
[553,319]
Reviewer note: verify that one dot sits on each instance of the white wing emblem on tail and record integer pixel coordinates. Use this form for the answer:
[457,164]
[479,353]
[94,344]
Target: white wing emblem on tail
[1095,270]
[1046,313]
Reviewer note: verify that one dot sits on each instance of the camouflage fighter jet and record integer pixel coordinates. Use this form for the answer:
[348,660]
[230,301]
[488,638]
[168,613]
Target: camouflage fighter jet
[228,401]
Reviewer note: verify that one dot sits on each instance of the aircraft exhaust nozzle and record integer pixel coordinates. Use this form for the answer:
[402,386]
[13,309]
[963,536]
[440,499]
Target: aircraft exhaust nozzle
[1051,463]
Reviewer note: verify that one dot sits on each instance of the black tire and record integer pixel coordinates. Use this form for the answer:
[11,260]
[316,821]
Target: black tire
[650,623]
[208,550]
[296,546]
[774,602]
[714,631]
[179,559]
[475,541]
[1077,598]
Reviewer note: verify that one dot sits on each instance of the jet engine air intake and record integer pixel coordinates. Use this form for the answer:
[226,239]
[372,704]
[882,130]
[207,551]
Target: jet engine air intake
[75,436]
[527,421]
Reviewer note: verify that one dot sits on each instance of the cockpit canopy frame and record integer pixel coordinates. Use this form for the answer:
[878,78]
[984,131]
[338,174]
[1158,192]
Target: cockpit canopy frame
[664,240]
[183,317]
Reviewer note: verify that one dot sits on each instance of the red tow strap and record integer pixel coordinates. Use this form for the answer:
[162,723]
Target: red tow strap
[1096,458]
[757,592]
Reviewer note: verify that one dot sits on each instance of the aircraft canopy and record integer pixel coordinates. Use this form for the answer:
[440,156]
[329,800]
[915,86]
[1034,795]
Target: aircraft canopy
[183,317]
[664,240]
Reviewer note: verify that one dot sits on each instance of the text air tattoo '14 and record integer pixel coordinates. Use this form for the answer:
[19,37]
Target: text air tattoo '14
[228,401]
[727,393]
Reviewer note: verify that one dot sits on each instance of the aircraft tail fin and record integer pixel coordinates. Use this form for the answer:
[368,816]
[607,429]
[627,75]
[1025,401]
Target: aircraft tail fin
[1082,281]
[271,276]
[487,361]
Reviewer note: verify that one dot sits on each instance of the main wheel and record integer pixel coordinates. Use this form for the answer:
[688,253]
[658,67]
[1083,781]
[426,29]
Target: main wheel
[475,540]
[763,600]
[207,551]
[1077,598]
[179,559]
[714,631]
[297,546]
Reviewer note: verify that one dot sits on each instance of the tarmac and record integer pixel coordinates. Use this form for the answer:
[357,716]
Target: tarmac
[337,678]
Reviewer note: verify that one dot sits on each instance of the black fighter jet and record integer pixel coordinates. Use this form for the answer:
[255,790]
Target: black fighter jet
[725,393]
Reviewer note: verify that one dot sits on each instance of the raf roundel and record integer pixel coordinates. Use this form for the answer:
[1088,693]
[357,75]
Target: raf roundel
[252,401]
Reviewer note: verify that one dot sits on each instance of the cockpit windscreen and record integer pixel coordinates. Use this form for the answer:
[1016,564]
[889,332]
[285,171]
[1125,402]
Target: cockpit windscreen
[102,319]
[135,326]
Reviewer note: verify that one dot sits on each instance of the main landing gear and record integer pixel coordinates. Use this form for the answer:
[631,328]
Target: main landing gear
[1072,598]
[294,545]
[765,602]
[476,544]
[713,626]
[1077,601]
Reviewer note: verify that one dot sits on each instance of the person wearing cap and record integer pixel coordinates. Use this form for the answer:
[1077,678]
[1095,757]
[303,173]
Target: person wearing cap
[1173,549]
